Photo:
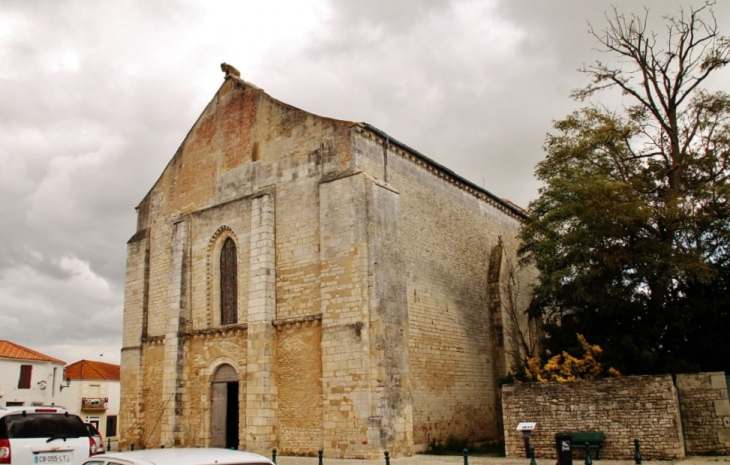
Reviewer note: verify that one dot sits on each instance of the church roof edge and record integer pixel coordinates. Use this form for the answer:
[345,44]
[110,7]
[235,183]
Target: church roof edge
[515,209]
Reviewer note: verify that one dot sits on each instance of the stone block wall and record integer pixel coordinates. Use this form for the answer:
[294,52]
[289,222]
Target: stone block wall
[243,146]
[346,384]
[447,232]
[703,401]
[298,378]
[642,407]
[135,302]
[391,420]
[154,405]
[205,353]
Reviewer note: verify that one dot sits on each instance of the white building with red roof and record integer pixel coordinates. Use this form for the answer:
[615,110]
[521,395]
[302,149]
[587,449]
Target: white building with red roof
[28,377]
[93,391]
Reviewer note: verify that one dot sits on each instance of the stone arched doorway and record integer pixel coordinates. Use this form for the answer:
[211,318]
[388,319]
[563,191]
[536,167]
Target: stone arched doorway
[224,408]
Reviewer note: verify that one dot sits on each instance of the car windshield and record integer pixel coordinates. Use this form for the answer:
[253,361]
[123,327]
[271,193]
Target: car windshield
[43,425]
[92,430]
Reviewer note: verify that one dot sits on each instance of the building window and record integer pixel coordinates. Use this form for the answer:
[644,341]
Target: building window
[229,283]
[13,404]
[25,374]
[111,426]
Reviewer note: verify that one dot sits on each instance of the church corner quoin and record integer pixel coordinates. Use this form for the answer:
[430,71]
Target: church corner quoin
[303,283]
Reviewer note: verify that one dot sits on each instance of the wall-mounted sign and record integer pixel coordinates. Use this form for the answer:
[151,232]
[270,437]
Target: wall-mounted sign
[526,425]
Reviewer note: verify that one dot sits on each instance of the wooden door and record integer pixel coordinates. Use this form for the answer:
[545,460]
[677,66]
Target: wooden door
[224,408]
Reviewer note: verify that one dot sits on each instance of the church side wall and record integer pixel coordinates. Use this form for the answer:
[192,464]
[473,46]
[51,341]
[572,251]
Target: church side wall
[447,235]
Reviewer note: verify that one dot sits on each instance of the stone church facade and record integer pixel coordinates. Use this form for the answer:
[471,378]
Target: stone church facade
[305,283]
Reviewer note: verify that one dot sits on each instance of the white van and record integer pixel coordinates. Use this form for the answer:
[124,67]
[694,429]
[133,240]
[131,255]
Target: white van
[45,435]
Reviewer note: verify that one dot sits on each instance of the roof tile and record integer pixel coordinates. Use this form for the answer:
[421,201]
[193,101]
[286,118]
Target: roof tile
[16,351]
[88,369]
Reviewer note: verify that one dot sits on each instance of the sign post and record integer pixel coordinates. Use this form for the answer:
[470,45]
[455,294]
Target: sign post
[526,427]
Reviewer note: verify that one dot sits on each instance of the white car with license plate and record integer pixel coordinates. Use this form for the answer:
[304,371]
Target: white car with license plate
[44,435]
[180,456]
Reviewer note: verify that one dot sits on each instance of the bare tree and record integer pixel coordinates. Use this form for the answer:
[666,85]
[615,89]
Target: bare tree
[631,227]
[661,78]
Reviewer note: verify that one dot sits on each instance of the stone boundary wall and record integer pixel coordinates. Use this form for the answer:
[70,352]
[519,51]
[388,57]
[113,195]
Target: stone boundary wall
[643,407]
[703,401]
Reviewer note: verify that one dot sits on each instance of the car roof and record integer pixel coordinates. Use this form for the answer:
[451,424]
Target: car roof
[183,456]
[34,409]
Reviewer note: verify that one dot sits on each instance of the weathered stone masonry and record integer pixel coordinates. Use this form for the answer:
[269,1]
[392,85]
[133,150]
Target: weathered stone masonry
[363,305]
[704,405]
[671,420]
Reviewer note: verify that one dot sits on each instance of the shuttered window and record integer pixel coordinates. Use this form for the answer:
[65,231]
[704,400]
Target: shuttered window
[26,372]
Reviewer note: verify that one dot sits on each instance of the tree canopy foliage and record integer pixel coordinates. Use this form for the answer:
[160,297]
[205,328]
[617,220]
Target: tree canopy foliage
[631,230]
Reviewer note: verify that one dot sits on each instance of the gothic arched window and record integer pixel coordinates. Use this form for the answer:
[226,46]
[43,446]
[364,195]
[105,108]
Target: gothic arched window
[229,283]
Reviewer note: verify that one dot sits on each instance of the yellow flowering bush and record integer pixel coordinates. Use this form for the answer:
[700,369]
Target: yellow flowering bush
[565,368]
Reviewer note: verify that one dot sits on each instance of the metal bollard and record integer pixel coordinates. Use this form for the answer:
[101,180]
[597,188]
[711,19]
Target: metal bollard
[588,456]
[466,456]
[132,446]
[320,453]
[387,458]
[108,444]
[273,455]
[637,452]
[532,456]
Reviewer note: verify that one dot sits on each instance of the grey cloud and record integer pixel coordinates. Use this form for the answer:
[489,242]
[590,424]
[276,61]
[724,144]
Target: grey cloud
[383,17]
[98,97]
[86,127]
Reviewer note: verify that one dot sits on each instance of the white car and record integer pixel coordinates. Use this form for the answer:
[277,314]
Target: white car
[181,456]
[44,435]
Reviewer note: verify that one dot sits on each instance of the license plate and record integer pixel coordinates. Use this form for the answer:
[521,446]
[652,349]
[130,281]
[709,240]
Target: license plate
[53,458]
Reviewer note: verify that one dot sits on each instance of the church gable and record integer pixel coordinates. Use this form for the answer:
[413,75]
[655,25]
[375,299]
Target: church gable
[243,140]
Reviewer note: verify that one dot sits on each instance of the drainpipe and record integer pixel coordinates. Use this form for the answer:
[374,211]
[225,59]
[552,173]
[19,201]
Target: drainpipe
[385,157]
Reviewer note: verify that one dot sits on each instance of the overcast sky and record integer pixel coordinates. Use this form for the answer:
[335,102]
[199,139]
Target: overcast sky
[95,98]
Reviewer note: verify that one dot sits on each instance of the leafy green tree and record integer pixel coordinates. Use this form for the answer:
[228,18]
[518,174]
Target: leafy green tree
[631,229]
